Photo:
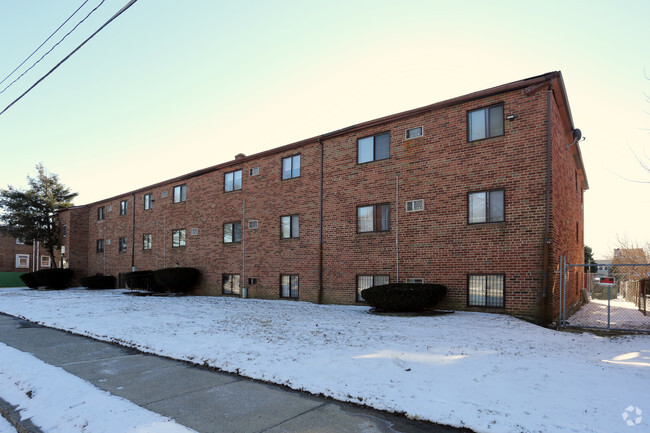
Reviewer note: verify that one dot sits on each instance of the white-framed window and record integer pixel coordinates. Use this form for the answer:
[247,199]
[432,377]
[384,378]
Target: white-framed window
[368,281]
[486,206]
[45,261]
[290,226]
[415,205]
[373,148]
[485,123]
[22,260]
[415,280]
[253,224]
[180,193]
[254,171]
[414,132]
[291,167]
[62,250]
[486,290]
[232,181]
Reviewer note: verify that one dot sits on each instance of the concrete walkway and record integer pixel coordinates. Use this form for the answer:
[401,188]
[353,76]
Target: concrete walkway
[200,398]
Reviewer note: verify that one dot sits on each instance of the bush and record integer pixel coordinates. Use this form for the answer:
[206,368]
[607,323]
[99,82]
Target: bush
[101,282]
[30,280]
[140,280]
[53,278]
[177,279]
[404,297]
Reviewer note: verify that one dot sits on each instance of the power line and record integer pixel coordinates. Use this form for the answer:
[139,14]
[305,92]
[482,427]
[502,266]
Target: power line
[55,45]
[120,12]
[44,42]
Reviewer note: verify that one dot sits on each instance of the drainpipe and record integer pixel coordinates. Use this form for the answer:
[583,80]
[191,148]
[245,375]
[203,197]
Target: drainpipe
[547,216]
[133,237]
[244,289]
[320,234]
[397,225]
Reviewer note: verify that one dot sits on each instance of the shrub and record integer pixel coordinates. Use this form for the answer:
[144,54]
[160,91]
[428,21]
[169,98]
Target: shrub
[176,279]
[30,280]
[101,282]
[404,297]
[53,278]
[140,280]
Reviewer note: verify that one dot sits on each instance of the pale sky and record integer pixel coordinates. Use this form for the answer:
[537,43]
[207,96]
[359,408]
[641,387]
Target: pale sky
[171,87]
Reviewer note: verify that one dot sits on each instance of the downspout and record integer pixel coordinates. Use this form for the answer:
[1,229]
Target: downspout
[320,229]
[133,237]
[547,216]
[244,290]
[397,225]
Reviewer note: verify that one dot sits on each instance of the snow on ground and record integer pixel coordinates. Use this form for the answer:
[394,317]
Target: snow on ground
[57,401]
[5,427]
[488,372]
[623,315]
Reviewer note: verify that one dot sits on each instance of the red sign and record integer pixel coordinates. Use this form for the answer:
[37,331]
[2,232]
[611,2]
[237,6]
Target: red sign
[607,281]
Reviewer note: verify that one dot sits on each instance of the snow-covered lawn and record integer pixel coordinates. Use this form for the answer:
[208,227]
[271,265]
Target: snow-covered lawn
[491,373]
[57,401]
[623,315]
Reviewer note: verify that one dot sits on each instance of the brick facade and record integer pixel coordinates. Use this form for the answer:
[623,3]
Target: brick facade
[439,244]
[19,257]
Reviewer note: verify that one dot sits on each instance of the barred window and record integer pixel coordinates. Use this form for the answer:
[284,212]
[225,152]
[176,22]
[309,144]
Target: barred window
[367,281]
[486,290]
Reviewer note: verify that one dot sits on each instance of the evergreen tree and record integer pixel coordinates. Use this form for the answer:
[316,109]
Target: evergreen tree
[29,215]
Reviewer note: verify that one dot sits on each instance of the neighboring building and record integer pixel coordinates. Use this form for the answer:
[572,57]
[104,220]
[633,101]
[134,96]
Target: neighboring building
[16,256]
[482,193]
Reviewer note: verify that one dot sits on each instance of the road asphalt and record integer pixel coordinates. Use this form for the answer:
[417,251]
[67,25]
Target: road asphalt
[200,398]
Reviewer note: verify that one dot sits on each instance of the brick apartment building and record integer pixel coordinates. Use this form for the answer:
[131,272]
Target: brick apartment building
[481,193]
[16,256]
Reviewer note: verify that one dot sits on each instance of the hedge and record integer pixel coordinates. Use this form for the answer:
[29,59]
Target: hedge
[178,280]
[141,280]
[30,280]
[100,282]
[404,297]
[52,278]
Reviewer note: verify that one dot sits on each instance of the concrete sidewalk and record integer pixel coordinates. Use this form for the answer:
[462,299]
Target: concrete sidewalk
[200,398]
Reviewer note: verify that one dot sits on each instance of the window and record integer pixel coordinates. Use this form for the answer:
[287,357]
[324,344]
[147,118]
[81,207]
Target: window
[486,206]
[123,207]
[486,290]
[19,242]
[414,133]
[164,194]
[291,167]
[100,245]
[45,261]
[62,250]
[290,226]
[289,286]
[64,230]
[100,213]
[178,238]
[122,244]
[22,260]
[232,181]
[485,123]
[194,231]
[415,205]
[231,232]
[375,218]
[252,281]
[180,193]
[253,224]
[231,284]
[148,201]
[254,171]
[367,281]
[146,241]
[373,148]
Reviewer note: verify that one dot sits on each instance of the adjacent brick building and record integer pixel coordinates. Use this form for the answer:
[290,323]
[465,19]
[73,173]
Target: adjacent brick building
[16,256]
[481,193]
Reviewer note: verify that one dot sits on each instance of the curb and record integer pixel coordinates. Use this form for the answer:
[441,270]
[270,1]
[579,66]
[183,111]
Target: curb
[12,414]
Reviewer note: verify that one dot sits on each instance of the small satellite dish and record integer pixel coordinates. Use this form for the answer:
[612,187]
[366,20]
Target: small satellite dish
[577,135]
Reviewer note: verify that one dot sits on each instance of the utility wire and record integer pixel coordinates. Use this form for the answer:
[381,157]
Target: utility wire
[44,42]
[120,12]
[55,45]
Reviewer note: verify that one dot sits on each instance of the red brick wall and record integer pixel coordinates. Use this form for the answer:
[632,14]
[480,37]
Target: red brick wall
[437,244]
[8,251]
